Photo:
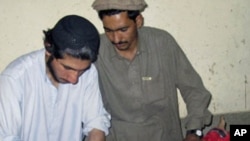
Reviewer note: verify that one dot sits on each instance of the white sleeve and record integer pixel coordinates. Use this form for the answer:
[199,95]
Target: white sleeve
[10,109]
[95,115]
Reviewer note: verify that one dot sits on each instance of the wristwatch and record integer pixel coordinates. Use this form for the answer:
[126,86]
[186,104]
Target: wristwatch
[196,132]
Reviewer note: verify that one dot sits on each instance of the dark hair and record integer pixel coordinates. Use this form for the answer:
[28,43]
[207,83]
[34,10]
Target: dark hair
[75,36]
[132,14]
[84,53]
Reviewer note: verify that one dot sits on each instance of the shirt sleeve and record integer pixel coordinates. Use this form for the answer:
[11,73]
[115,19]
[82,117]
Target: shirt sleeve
[195,95]
[95,115]
[10,114]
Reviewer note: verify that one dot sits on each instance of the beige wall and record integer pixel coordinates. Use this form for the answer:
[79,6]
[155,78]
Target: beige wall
[213,33]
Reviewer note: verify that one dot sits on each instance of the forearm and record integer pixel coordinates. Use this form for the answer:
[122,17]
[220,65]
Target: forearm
[96,135]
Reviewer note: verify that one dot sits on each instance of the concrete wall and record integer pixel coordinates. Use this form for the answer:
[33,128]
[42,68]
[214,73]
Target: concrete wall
[214,34]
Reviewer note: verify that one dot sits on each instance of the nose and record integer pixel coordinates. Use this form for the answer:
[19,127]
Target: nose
[116,37]
[73,77]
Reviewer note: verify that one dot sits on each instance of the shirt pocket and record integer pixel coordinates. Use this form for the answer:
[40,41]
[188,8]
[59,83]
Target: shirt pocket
[153,87]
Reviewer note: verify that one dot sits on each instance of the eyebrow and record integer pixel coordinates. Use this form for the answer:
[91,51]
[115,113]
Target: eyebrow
[68,67]
[106,28]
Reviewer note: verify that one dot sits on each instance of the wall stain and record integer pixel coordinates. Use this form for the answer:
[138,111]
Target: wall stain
[214,106]
[240,62]
[211,69]
[243,41]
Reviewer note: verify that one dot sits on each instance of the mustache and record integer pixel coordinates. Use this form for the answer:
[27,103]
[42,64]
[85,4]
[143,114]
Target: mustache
[121,42]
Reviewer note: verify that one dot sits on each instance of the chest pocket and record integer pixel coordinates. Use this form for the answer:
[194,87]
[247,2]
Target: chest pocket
[153,82]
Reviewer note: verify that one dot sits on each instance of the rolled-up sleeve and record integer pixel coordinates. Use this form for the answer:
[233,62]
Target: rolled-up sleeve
[94,113]
[102,122]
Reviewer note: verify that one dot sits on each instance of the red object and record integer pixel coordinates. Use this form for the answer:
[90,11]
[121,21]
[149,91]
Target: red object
[217,134]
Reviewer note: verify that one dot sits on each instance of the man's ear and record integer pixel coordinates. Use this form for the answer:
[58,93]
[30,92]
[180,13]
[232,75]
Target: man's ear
[48,47]
[139,21]
[47,53]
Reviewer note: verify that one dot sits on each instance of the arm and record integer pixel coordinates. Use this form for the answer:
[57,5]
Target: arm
[96,135]
[95,118]
[10,113]
[193,92]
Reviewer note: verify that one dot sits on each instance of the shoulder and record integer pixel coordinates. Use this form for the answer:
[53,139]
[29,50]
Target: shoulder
[88,78]
[90,73]
[106,47]
[157,38]
[24,64]
[152,32]
[104,40]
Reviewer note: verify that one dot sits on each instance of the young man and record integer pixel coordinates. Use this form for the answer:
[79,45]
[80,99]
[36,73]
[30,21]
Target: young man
[140,70]
[53,94]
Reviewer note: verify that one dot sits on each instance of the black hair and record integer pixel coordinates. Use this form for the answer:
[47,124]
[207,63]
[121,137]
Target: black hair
[86,52]
[132,14]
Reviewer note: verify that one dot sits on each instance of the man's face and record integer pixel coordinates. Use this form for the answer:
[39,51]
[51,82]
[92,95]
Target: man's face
[121,31]
[68,69]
